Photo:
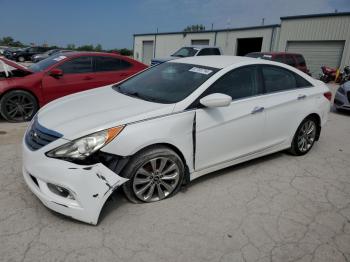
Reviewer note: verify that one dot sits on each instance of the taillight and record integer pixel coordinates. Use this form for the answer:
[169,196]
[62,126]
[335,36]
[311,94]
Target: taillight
[328,95]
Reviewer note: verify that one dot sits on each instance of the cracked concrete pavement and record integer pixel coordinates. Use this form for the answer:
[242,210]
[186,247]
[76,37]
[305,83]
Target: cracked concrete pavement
[276,208]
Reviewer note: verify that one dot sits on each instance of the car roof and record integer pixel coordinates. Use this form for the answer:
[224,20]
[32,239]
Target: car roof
[221,61]
[78,53]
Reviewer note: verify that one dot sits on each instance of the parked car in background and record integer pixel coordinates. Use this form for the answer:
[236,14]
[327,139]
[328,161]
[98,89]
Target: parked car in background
[342,97]
[8,51]
[38,57]
[2,49]
[294,60]
[188,51]
[24,90]
[25,54]
[167,126]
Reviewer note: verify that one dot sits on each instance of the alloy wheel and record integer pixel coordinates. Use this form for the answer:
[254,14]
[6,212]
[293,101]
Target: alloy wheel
[19,107]
[156,179]
[306,136]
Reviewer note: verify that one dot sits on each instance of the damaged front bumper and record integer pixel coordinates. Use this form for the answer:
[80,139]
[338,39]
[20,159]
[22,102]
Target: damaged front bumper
[77,191]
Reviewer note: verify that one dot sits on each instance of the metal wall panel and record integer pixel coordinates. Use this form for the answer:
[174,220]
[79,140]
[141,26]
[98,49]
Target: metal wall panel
[318,53]
[332,28]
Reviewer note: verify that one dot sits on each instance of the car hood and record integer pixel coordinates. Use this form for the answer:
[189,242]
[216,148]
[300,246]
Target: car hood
[12,64]
[87,112]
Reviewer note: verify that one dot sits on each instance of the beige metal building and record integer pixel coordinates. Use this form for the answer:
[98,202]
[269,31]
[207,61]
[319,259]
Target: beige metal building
[323,39]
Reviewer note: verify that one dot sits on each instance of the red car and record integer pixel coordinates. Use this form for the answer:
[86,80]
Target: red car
[295,60]
[24,90]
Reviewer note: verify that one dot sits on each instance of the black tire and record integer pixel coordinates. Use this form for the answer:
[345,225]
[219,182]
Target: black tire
[18,106]
[296,147]
[21,59]
[141,160]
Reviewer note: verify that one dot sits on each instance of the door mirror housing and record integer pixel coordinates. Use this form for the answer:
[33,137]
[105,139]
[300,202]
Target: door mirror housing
[216,100]
[56,72]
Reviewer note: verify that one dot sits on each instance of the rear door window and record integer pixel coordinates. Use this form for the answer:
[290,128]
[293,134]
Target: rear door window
[277,79]
[77,65]
[105,64]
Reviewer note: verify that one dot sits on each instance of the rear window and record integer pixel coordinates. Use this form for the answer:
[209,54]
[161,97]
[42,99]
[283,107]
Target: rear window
[290,60]
[300,60]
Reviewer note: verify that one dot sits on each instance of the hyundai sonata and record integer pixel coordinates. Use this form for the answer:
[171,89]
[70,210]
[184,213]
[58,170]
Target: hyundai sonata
[166,126]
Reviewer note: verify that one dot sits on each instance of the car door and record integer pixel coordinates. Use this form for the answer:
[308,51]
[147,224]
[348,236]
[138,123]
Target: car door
[228,133]
[110,69]
[77,76]
[287,97]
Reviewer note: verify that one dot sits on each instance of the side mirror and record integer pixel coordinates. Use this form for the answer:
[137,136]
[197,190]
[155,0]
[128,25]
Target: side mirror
[216,100]
[56,72]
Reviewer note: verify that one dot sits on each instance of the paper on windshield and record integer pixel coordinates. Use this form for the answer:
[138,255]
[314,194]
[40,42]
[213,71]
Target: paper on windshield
[202,71]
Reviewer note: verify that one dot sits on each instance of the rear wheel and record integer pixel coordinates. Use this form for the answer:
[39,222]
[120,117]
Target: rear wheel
[18,106]
[304,137]
[154,174]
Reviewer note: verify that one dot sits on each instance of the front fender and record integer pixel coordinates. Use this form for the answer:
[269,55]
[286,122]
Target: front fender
[175,129]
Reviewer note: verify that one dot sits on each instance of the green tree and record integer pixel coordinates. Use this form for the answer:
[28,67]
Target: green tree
[71,46]
[98,48]
[85,48]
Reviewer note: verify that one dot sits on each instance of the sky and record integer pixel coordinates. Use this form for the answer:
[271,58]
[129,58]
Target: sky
[112,23]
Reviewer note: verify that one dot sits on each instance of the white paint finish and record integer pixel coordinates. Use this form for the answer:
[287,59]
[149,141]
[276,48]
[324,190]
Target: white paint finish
[335,28]
[91,188]
[229,132]
[224,136]
[216,100]
[318,53]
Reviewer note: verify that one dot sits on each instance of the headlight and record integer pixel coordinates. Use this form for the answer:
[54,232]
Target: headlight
[83,147]
[14,53]
[341,90]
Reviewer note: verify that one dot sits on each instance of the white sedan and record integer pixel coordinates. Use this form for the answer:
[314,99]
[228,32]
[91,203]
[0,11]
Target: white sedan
[167,126]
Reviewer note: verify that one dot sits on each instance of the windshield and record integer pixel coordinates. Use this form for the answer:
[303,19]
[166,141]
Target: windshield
[185,52]
[46,63]
[166,83]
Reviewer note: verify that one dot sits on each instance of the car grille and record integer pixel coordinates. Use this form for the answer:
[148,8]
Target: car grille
[348,96]
[38,136]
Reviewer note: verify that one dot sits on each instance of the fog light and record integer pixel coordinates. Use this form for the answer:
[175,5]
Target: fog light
[61,191]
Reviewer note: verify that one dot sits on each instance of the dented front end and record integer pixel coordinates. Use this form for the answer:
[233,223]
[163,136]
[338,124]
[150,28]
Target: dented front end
[75,190]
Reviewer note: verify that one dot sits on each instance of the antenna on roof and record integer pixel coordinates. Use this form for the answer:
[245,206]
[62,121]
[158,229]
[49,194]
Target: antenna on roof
[263,21]
[335,10]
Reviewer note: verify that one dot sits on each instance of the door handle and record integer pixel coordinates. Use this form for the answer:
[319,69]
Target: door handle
[301,97]
[258,109]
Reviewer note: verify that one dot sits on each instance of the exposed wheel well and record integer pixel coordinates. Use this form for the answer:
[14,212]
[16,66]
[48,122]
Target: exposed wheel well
[177,151]
[318,123]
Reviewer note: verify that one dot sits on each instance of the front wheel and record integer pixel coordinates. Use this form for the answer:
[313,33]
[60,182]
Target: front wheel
[18,106]
[304,137]
[155,174]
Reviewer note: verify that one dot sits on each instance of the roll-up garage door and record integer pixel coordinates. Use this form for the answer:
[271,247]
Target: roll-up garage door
[318,53]
[147,52]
